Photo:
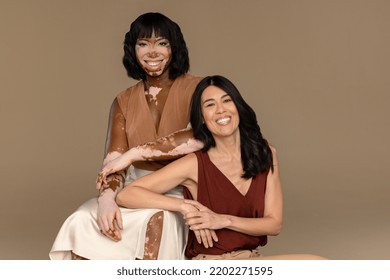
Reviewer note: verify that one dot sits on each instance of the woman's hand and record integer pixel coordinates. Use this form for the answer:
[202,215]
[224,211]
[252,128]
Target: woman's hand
[109,217]
[118,164]
[204,218]
[205,236]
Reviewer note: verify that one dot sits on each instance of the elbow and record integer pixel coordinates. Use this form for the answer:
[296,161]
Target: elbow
[120,200]
[276,229]
[128,198]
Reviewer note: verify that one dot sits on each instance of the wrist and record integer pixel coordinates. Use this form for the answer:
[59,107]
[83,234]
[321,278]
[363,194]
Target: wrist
[185,208]
[107,193]
[227,221]
[182,207]
[113,182]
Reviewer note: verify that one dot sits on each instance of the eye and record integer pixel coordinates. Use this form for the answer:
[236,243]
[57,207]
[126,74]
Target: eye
[141,44]
[208,104]
[164,43]
[226,100]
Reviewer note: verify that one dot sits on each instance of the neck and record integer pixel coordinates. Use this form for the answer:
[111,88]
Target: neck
[159,81]
[228,147]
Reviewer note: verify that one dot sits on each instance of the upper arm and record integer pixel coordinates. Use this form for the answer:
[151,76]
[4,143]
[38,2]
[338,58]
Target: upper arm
[116,140]
[182,171]
[273,194]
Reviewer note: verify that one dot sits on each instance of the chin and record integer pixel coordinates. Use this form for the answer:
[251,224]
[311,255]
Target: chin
[154,74]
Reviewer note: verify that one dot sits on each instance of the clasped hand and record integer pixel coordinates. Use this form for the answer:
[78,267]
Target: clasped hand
[118,164]
[109,217]
[202,221]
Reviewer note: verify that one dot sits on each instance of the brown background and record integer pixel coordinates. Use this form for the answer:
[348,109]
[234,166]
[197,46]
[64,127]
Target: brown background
[316,72]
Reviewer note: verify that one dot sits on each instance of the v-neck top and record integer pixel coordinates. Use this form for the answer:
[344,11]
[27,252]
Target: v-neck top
[140,127]
[216,192]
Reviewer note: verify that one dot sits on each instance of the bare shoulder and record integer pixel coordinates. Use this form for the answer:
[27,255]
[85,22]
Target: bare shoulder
[185,164]
[273,149]
[274,154]
[190,160]
[188,167]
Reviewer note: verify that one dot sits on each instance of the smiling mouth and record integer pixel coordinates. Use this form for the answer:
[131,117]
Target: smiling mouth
[223,120]
[153,63]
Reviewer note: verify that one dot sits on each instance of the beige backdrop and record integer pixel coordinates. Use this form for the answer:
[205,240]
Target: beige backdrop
[316,72]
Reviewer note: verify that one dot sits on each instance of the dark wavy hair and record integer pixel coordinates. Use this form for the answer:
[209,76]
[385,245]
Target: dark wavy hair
[256,155]
[145,26]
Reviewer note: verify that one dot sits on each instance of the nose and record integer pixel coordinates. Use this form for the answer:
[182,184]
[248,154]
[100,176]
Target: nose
[152,53]
[219,108]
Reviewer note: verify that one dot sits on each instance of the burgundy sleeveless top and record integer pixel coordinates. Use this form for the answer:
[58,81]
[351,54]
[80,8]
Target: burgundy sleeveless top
[216,192]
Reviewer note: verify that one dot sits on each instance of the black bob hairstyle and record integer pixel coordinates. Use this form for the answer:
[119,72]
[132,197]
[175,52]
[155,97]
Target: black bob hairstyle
[147,25]
[256,155]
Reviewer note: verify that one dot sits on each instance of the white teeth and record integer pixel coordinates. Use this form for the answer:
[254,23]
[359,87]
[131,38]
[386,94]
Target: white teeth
[223,121]
[153,63]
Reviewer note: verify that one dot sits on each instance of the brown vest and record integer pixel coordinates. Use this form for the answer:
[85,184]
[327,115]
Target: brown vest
[140,127]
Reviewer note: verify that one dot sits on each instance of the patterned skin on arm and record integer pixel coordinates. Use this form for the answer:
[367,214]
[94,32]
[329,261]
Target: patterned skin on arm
[169,148]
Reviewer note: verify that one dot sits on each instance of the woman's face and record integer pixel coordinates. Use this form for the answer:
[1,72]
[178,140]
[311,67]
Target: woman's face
[154,55]
[219,112]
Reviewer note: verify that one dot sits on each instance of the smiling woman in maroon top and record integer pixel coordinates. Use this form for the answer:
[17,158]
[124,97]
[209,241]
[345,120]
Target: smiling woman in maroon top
[233,183]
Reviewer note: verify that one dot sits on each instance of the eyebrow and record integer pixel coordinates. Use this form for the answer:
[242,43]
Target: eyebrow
[157,39]
[211,99]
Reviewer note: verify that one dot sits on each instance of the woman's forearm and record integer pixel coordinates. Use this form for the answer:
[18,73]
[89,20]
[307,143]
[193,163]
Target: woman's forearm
[254,226]
[137,197]
[166,148]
